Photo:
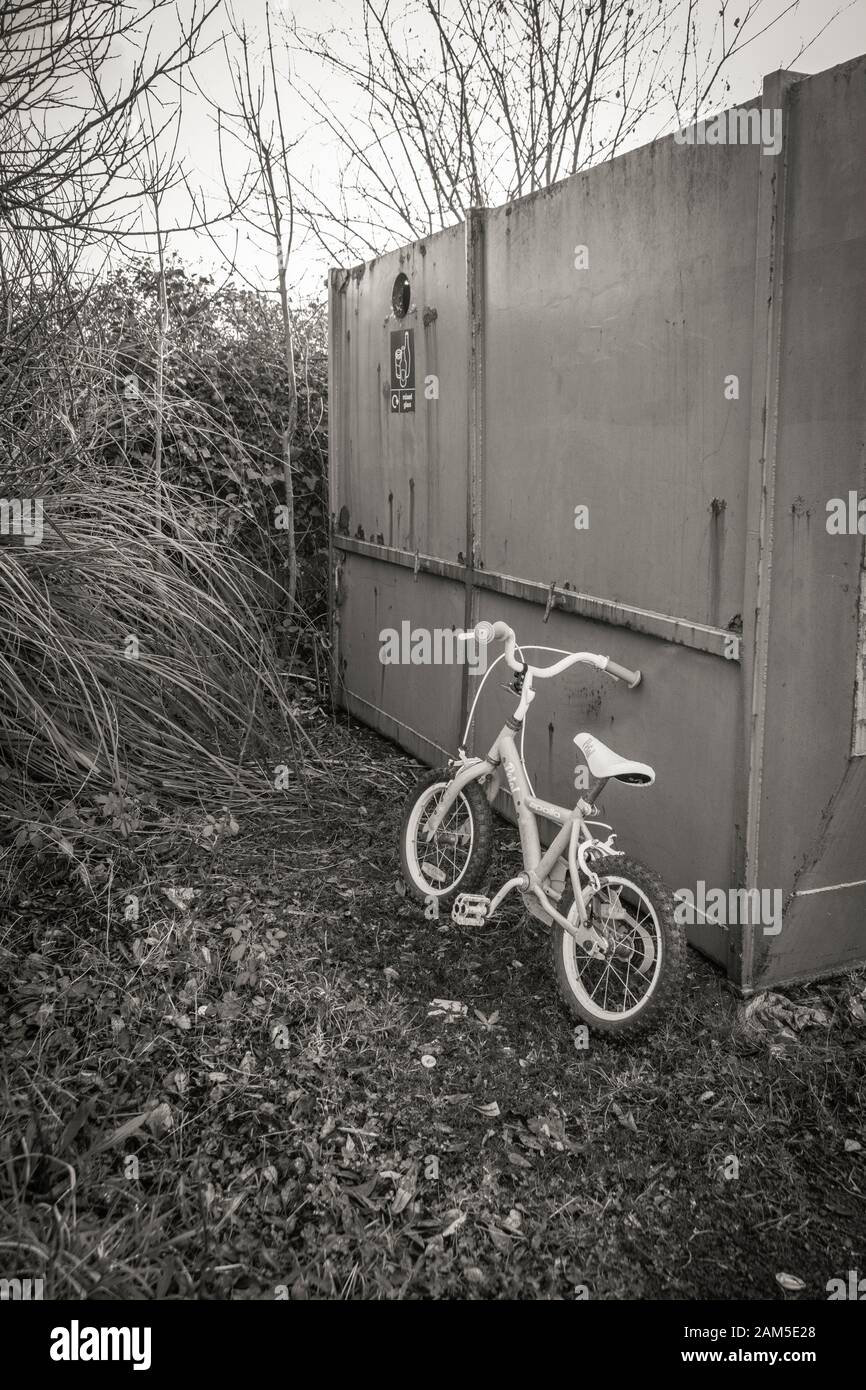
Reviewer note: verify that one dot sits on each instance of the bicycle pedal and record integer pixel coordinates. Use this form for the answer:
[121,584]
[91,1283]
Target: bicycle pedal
[470,909]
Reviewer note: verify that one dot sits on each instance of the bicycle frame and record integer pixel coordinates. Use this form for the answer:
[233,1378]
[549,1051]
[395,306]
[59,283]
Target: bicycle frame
[571,841]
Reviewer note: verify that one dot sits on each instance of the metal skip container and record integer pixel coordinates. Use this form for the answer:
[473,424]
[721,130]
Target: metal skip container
[627,414]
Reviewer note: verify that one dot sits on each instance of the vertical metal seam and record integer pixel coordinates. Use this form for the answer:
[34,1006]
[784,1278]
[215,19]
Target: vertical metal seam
[770,388]
[858,733]
[475,257]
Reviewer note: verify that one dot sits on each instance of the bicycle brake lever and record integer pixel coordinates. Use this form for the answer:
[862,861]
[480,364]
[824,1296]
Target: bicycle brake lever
[516,685]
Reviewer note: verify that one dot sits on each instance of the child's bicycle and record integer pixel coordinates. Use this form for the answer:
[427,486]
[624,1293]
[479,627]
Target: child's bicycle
[617,950]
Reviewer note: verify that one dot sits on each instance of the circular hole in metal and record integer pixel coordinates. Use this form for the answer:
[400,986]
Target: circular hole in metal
[401,295]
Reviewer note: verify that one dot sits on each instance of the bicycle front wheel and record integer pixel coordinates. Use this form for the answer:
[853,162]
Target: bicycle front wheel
[625,989]
[455,860]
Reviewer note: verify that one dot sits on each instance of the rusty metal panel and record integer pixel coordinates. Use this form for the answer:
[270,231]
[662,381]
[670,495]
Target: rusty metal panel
[417,706]
[605,382]
[825,920]
[812,831]
[402,475]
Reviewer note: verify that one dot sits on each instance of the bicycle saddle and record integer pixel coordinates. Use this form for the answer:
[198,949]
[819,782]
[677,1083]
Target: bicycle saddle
[603,763]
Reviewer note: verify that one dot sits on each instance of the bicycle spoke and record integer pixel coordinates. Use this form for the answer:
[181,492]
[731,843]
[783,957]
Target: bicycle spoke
[442,860]
[618,983]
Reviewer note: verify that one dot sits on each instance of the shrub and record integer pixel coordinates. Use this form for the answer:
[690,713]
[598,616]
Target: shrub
[141,639]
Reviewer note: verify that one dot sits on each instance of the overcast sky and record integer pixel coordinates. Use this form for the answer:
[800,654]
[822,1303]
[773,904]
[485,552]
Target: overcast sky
[834,30]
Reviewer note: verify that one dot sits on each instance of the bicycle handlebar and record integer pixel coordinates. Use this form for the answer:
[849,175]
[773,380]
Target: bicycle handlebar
[490,632]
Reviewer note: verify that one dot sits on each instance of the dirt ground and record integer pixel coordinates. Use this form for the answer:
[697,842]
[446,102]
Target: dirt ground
[247,1092]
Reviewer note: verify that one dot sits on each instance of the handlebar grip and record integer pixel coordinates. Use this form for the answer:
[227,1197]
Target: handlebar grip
[631,678]
[498,632]
[492,632]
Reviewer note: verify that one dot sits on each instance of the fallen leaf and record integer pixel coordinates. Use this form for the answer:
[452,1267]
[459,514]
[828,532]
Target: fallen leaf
[454,1225]
[790,1282]
[402,1198]
[181,898]
[160,1120]
[500,1239]
[405,1191]
[181,1021]
[626,1118]
[491,1110]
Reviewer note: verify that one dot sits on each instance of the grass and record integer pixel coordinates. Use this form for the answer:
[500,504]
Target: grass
[121,650]
[226,1097]
[144,638]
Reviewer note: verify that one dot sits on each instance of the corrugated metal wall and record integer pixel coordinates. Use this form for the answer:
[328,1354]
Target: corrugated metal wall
[603,378]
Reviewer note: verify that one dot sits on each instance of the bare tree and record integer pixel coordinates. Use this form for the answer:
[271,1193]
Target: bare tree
[474,102]
[75,80]
[68,132]
[158,175]
[264,197]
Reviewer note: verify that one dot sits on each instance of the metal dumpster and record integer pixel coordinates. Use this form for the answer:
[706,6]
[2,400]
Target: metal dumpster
[628,414]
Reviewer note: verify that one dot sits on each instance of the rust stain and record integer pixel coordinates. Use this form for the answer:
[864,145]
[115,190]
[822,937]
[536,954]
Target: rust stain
[718,507]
